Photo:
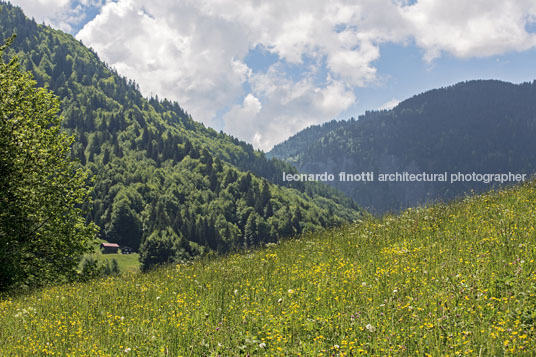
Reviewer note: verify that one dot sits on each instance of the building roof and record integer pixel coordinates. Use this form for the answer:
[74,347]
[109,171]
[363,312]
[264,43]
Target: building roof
[110,245]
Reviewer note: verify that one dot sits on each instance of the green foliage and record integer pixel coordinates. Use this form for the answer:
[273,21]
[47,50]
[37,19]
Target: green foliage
[163,247]
[476,126]
[124,226]
[156,170]
[111,268]
[91,268]
[443,280]
[42,230]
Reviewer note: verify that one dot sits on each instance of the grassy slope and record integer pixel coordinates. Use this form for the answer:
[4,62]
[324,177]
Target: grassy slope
[127,262]
[452,279]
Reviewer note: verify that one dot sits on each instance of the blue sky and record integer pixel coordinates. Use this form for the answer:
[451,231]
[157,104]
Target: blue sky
[262,71]
[406,74]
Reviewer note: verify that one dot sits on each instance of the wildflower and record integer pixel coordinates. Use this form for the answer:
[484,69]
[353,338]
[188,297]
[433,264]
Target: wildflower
[262,345]
[370,328]
[280,301]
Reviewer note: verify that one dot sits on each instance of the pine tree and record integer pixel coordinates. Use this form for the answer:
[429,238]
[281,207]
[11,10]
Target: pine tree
[265,193]
[250,231]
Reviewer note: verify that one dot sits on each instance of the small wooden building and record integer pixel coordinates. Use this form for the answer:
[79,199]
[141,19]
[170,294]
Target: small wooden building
[109,248]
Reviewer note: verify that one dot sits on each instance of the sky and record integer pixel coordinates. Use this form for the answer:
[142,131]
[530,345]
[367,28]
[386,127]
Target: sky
[264,70]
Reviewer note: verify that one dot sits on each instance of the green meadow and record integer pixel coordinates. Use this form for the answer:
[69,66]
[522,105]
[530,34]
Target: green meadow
[452,279]
[126,262]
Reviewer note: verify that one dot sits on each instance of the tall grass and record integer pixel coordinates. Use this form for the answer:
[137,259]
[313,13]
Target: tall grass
[456,279]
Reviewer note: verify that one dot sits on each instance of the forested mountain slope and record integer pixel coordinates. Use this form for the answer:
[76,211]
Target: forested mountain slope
[484,126]
[161,180]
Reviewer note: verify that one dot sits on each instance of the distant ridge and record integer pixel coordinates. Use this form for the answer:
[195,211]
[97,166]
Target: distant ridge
[482,126]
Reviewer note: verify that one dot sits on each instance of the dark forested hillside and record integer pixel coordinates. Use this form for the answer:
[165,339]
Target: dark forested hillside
[482,126]
[162,181]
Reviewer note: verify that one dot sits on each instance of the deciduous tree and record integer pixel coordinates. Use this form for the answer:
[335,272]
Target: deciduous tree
[43,232]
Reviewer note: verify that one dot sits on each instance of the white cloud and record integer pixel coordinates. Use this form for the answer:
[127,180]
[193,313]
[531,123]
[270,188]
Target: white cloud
[194,51]
[62,14]
[287,107]
[389,105]
[475,28]
[173,50]
[240,120]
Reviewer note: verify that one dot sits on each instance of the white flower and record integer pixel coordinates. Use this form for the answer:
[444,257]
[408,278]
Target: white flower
[290,291]
[370,328]
[262,345]
[395,291]
[363,284]
[127,350]
[280,301]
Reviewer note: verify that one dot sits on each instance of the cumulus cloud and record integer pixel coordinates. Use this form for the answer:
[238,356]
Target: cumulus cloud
[173,49]
[476,28]
[196,52]
[65,15]
[287,107]
[241,119]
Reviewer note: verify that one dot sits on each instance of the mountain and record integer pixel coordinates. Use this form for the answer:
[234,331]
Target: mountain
[481,127]
[164,183]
